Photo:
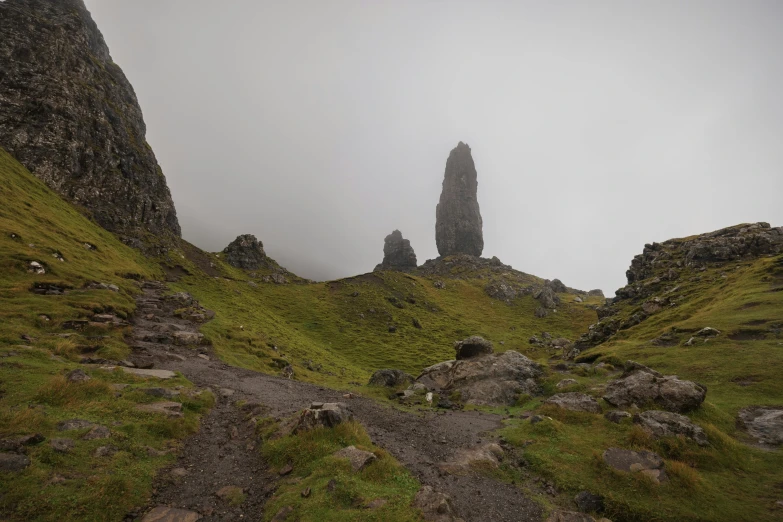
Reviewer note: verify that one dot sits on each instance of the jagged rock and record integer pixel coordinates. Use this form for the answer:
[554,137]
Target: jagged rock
[764,423]
[472,347]
[645,462]
[547,297]
[246,252]
[640,385]
[575,401]
[329,415]
[70,116]
[458,224]
[435,507]
[13,462]
[495,379]
[397,253]
[390,378]
[667,424]
[359,459]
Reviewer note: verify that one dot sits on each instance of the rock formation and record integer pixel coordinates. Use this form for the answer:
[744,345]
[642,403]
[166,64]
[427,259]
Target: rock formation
[70,116]
[458,224]
[246,252]
[397,253]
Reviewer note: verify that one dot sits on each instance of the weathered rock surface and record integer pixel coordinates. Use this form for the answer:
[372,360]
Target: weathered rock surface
[617,416]
[246,252]
[359,459]
[575,401]
[494,379]
[68,114]
[328,415]
[390,378]
[640,385]
[764,423]
[472,347]
[398,253]
[668,424]
[458,223]
[645,462]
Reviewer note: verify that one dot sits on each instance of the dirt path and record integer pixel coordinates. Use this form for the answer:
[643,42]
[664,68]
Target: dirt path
[217,457]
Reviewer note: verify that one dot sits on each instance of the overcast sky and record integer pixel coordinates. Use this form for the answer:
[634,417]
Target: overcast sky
[596,127]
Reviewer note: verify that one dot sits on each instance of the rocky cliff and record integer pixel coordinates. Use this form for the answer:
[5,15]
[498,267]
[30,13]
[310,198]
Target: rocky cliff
[458,224]
[69,114]
[398,253]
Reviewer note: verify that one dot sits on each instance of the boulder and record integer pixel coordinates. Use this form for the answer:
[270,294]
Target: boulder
[645,462]
[359,459]
[547,297]
[472,347]
[589,502]
[764,423]
[641,385]
[187,338]
[62,445]
[495,379]
[390,378]
[434,506]
[13,462]
[574,401]
[488,454]
[397,253]
[596,292]
[458,224]
[246,252]
[77,375]
[327,415]
[617,416]
[558,286]
[565,383]
[668,424]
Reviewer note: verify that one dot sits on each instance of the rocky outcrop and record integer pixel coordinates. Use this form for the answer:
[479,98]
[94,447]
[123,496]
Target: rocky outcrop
[69,114]
[390,378]
[495,379]
[667,424]
[458,224]
[397,253]
[246,252]
[472,347]
[640,385]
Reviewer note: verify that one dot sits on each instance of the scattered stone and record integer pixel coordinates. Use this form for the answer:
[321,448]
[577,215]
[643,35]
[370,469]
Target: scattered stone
[416,323]
[74,424]
[440,285]
[306,492]
[641,385]
[458,224]
[161,392]
[187,338]
[168,514]
[645,462]
[617,416]
[588,502]
[203,356]
[286,470]
[329,415]
[359,459]
[62,445]
[104,451]
[764,423]
[97,432]
[35,267]
[226,392]
[390,378]
[331,485]
[597,293]
[472,347]
[565,383]
[13,462]
[397,253]
[667,424]
[574,401]
[435,507]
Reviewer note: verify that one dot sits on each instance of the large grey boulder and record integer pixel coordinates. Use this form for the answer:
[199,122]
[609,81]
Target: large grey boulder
[574,401]
[494,379]
[246,252]
[390,378]
[398,253]
[640,385]
[458,224]
[668,424]
[472,347]
[764,423]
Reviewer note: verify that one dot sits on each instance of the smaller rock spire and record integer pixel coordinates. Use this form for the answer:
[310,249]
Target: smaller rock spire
[397,253]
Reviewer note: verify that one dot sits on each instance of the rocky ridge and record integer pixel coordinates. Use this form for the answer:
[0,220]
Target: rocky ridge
[69,114]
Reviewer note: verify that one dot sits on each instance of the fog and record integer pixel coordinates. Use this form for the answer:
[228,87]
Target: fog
[596,127]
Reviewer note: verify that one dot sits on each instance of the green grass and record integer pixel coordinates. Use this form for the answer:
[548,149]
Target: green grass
[34,393]
[314,467]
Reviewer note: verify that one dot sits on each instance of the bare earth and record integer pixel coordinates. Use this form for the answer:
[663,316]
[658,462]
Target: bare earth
[224,452]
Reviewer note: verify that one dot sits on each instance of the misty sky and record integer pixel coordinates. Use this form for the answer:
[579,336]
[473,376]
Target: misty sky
[596,127]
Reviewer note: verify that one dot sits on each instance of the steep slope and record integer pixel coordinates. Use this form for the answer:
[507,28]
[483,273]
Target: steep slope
[728,282]
[43,334]
[68,113]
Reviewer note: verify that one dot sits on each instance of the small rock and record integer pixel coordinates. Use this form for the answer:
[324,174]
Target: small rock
[574,401]
[13,462]
[226,392]
[286,470]
[77,375]
[62,445]
[331,485]
[588,502]
[229,492]
[667,424]
[104,451]
[566,383]
[169,409]
[306,492]
[74,424]
[617,416]
[328,415]
[97,432]
[203,356]
[359,459]
[179,472]
[161,392]
[433,505]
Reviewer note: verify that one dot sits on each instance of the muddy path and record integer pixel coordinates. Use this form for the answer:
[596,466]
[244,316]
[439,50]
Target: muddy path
[217,457]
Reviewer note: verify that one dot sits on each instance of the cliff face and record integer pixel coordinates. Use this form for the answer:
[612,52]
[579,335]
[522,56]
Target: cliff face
[458,224]
[70,116]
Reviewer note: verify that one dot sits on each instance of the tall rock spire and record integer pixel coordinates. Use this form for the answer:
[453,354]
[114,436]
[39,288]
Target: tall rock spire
[458,224]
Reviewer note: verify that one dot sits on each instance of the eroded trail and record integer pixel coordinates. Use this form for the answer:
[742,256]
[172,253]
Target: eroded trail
[223,453]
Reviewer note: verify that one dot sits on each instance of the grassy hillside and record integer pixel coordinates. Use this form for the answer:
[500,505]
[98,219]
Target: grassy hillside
[36,353]
[729,480]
